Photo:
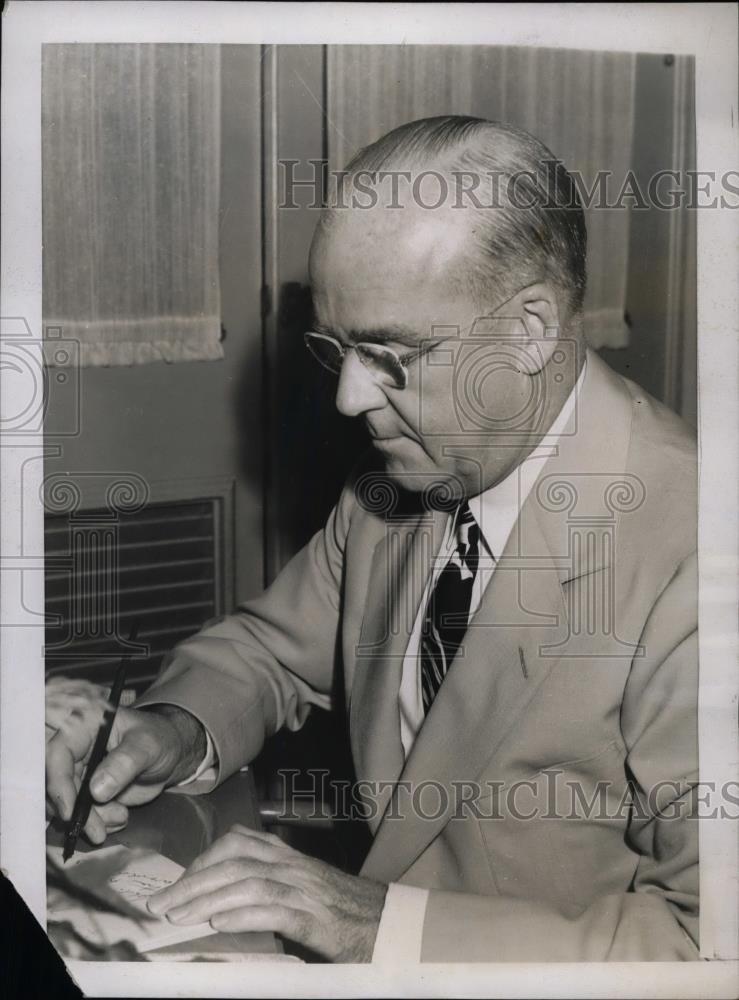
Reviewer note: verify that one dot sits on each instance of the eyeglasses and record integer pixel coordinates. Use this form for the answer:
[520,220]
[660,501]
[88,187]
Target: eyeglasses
[385,364]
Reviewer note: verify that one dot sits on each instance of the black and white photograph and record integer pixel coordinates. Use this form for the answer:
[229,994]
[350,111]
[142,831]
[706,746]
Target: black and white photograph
[369,465]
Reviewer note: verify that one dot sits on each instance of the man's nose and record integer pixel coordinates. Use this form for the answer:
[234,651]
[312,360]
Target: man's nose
[357,391]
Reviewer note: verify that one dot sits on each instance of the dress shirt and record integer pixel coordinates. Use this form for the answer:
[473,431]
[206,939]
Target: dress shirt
[206,768]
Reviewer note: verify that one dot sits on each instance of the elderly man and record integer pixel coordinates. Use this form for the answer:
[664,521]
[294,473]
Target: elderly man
[506,589]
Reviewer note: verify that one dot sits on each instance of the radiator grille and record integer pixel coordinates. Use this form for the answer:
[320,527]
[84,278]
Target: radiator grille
[160,567]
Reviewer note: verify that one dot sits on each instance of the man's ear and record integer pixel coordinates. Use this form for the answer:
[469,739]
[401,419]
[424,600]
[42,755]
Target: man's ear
[539,312]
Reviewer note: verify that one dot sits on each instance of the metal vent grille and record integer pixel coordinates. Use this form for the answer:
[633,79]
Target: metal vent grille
[160,567]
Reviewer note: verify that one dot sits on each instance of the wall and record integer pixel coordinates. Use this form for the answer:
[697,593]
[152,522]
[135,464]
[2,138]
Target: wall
[648,303]
[196,420]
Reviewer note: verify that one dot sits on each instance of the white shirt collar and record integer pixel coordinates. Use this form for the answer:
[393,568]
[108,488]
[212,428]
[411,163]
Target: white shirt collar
[496,510]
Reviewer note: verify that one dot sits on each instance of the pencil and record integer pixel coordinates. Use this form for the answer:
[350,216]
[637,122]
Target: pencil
[83,802]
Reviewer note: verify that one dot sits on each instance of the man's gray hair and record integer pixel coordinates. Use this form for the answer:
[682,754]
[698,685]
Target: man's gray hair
[534,231]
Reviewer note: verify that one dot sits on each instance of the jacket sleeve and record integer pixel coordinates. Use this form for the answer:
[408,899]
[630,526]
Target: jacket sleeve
[250,673]
[657,917]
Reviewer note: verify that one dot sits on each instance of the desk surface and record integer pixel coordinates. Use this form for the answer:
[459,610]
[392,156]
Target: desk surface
[180,827]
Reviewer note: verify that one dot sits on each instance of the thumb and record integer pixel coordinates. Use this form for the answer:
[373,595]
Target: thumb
[138,751]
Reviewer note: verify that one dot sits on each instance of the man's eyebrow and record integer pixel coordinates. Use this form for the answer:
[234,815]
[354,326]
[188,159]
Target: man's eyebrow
[395,332]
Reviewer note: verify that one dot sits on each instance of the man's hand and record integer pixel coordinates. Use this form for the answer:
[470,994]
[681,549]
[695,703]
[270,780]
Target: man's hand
[249,881]
[148,750]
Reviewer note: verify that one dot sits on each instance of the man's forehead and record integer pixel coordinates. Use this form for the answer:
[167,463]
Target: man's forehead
[408,236]
[380,270]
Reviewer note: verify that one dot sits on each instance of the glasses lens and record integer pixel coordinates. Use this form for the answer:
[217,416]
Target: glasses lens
[326,350]
[384,363]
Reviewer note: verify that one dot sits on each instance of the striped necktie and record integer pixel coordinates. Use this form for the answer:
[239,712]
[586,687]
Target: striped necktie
[448,609]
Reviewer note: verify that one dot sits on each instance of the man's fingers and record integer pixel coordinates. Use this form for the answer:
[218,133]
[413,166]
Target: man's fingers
[275,917]
[246,893]
[95,828]
[60,784]
[211,879]
[139,793]
[113,814]
[105,819]
[62,787]
[240,842]
[136,752]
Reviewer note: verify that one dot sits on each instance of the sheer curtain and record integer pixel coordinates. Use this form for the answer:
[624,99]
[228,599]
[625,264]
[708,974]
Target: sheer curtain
[581,104]
[131,161]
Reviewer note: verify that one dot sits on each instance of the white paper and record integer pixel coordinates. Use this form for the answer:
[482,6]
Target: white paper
[140,875]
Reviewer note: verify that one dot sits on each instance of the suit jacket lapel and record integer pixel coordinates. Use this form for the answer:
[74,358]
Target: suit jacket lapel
[492,679]
[400,568]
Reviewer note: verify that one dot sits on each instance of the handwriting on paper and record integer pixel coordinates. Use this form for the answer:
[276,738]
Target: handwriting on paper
[136,886]
[138,875]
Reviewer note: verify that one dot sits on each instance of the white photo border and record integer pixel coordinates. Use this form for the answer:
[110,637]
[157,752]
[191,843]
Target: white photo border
[706,31]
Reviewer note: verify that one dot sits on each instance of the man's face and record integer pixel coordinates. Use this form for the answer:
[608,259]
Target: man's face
[388,274]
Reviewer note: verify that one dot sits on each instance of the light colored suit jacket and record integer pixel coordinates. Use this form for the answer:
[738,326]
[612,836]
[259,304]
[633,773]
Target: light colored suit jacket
[547,800]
